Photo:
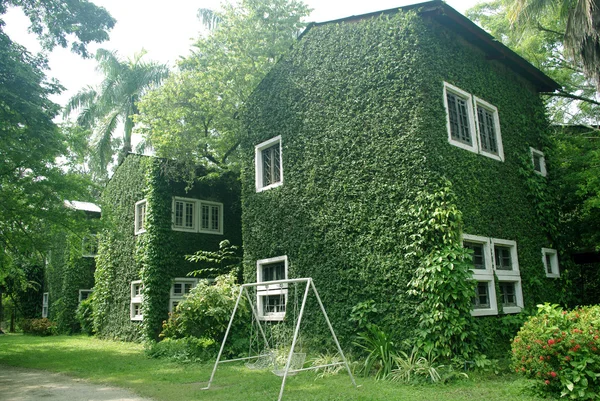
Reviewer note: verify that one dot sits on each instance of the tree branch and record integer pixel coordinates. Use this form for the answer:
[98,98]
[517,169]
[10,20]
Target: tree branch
[575,97]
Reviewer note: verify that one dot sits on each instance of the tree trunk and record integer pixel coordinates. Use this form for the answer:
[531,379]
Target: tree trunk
[13,318]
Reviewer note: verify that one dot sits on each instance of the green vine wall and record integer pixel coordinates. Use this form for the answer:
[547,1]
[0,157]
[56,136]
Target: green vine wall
[156,256]
[360,110]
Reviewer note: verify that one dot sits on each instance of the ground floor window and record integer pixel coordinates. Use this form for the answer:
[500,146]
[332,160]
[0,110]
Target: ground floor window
[496,272]
[137,298]
[180,288]
[272,298]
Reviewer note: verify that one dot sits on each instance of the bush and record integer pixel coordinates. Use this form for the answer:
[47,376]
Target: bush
[205,313]
[560,349]
[85,317]
[38,327]
[187,349]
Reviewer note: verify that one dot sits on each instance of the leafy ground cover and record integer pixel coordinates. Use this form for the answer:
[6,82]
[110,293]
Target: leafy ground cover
[125,365]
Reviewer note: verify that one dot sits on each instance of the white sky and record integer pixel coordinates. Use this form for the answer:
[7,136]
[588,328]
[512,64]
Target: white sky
[166,30]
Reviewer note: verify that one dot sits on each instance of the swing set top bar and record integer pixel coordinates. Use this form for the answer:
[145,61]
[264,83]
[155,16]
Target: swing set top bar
[275,282]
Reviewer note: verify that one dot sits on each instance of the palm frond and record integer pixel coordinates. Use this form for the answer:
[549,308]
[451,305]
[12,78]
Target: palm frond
[102,142]
[209,19]
[79,101]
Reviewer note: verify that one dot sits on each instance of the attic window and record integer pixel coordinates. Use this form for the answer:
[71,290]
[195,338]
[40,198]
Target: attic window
[539,161]
[472,123]
[268,164]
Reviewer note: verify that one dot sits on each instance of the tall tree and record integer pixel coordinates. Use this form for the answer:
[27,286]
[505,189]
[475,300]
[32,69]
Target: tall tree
[114,102]
[582,22]
[192,117]
[33,187]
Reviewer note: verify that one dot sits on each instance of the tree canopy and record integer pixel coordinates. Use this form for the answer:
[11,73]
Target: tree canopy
[33,184]
[114,101]
[193,116]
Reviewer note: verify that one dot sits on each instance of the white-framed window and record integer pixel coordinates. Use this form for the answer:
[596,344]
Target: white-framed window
[45,304]
[184,214]
[211,217]
[539,161]
[89,246]
[180,288]
[268,164]
[459,118]
[84,294]
[495,261]
[488,127]
[195,215]
[472,123]
[550,260]
[272,298]
[137,298]
[140,216]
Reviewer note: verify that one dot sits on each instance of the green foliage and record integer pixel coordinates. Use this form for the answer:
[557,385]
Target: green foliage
[363,313]
[84,315]
[223,261]
[421,368]
[365,208]
[380,351]
[194,116]
[38,327]
[206,311]
[327,359]
[156,256]
[56,22]
[115,100]
[442,280]
[561,351]
[183,350]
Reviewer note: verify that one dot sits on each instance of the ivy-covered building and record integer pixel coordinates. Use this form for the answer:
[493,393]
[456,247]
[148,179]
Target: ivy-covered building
[151,221]
[369,129]
[69,270]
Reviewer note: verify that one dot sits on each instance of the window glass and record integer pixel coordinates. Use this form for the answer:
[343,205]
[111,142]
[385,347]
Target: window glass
[458,111]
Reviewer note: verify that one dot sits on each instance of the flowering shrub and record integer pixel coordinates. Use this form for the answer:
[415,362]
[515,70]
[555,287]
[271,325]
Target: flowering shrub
[561,351]
[38,327]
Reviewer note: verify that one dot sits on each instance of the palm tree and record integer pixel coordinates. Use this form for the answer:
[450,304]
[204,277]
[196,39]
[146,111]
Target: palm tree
[114,101]
[582,34]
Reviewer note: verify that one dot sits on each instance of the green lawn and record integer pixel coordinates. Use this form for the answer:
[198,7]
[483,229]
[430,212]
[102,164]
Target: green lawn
[125,365]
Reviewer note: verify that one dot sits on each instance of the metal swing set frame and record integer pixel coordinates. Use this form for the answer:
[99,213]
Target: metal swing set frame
[244,291]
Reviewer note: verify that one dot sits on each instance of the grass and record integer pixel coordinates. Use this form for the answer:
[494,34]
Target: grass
[125,365]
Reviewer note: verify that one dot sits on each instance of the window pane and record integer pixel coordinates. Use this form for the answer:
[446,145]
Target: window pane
[458,113]
[537,162]
[507,294]
[503,258]
[481,300]
[214,219]
[487,130]
[271,165]
[549,263]
[189,215]
[187,288]
[273,271]
[179,214]
[478,254]
[273,304]
[177,289]
[205,217]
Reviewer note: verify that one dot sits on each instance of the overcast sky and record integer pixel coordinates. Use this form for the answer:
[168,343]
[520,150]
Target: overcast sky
[166,30]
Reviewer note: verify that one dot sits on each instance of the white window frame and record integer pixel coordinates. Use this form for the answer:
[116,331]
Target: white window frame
[84,248]
[518,294]
[553,262]
[473,102]
[136,299]
[512,245]
[484,276]
[258,164]
[540,154]
[472,129]
[137,229]
[45,303]
[267,290]
[84,291]
[491,274]
[494,110]
[194,202]
[210,231]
